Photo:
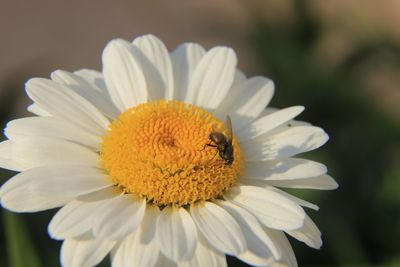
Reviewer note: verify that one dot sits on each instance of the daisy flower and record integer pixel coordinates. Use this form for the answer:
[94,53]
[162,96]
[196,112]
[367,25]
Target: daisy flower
[164,159]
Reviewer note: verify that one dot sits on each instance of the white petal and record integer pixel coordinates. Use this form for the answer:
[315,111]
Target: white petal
[269,207]
[148,227]
[240,77]
[266,123]
[119,217]
[205,256]
[288,143]
[123,74]
[270,110]
[308,234]
[103,194]
[163,262]
[85,89]
[140,248]
[32,189]
[176,234]
[157,67]
[50,127]
[219,228]
[265,184]
[22,200]
[299,201]
[66,180]
[82,178]
[212,78]
[184,60]
[283,128]
[6,158]
[322,182]
[34,151]
[84,253]
[73,220]
[132,252]
[117,255]
[94,78]
[223,109]
[288,256]
[62,102]
[252,257]
[257,240]
[247,100]
[286,169]
[37,110]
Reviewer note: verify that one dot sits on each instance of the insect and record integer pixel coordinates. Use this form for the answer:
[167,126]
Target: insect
[223,143]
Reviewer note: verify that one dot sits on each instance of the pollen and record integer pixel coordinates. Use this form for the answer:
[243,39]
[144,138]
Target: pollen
[162,151]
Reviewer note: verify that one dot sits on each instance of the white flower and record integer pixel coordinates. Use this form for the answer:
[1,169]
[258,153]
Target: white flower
[127,154]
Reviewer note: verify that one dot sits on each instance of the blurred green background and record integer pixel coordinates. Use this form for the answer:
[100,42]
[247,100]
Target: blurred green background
[340,59]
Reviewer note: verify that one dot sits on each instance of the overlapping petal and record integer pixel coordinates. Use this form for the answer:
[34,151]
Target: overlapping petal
[74,219]
[270,208]
[95,79]
[205,256]
[286,169]
[156,64]
[308,234]
[256,238]
[265,184]
[288,258]
[246,100]
[185,58]
[140,248]
[37,110]
[219,228]
[65,104]
[35,151]
[176,234]
[263,124]
[85,252]
[123,75]
[215,70]
[119,217]
[6,158]
[132,252]
[290,142]
[50,127]
[321,182]
[50,186]
[88,89]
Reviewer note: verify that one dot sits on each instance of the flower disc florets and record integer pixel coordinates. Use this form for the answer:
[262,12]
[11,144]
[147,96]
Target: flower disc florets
[159,150]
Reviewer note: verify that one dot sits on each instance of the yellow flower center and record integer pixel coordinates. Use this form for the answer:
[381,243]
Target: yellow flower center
[159,151]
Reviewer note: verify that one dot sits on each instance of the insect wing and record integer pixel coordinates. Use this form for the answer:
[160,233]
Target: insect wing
[228,125]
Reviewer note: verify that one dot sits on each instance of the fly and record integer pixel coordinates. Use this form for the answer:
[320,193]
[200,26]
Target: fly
[223,142]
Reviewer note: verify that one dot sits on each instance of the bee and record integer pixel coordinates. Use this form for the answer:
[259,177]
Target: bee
[223,143]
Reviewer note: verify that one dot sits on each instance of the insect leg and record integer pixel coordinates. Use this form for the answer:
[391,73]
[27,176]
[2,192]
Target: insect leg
[211,145]
[214,155]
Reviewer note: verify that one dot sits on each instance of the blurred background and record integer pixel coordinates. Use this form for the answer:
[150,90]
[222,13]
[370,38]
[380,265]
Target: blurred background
[338,58]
